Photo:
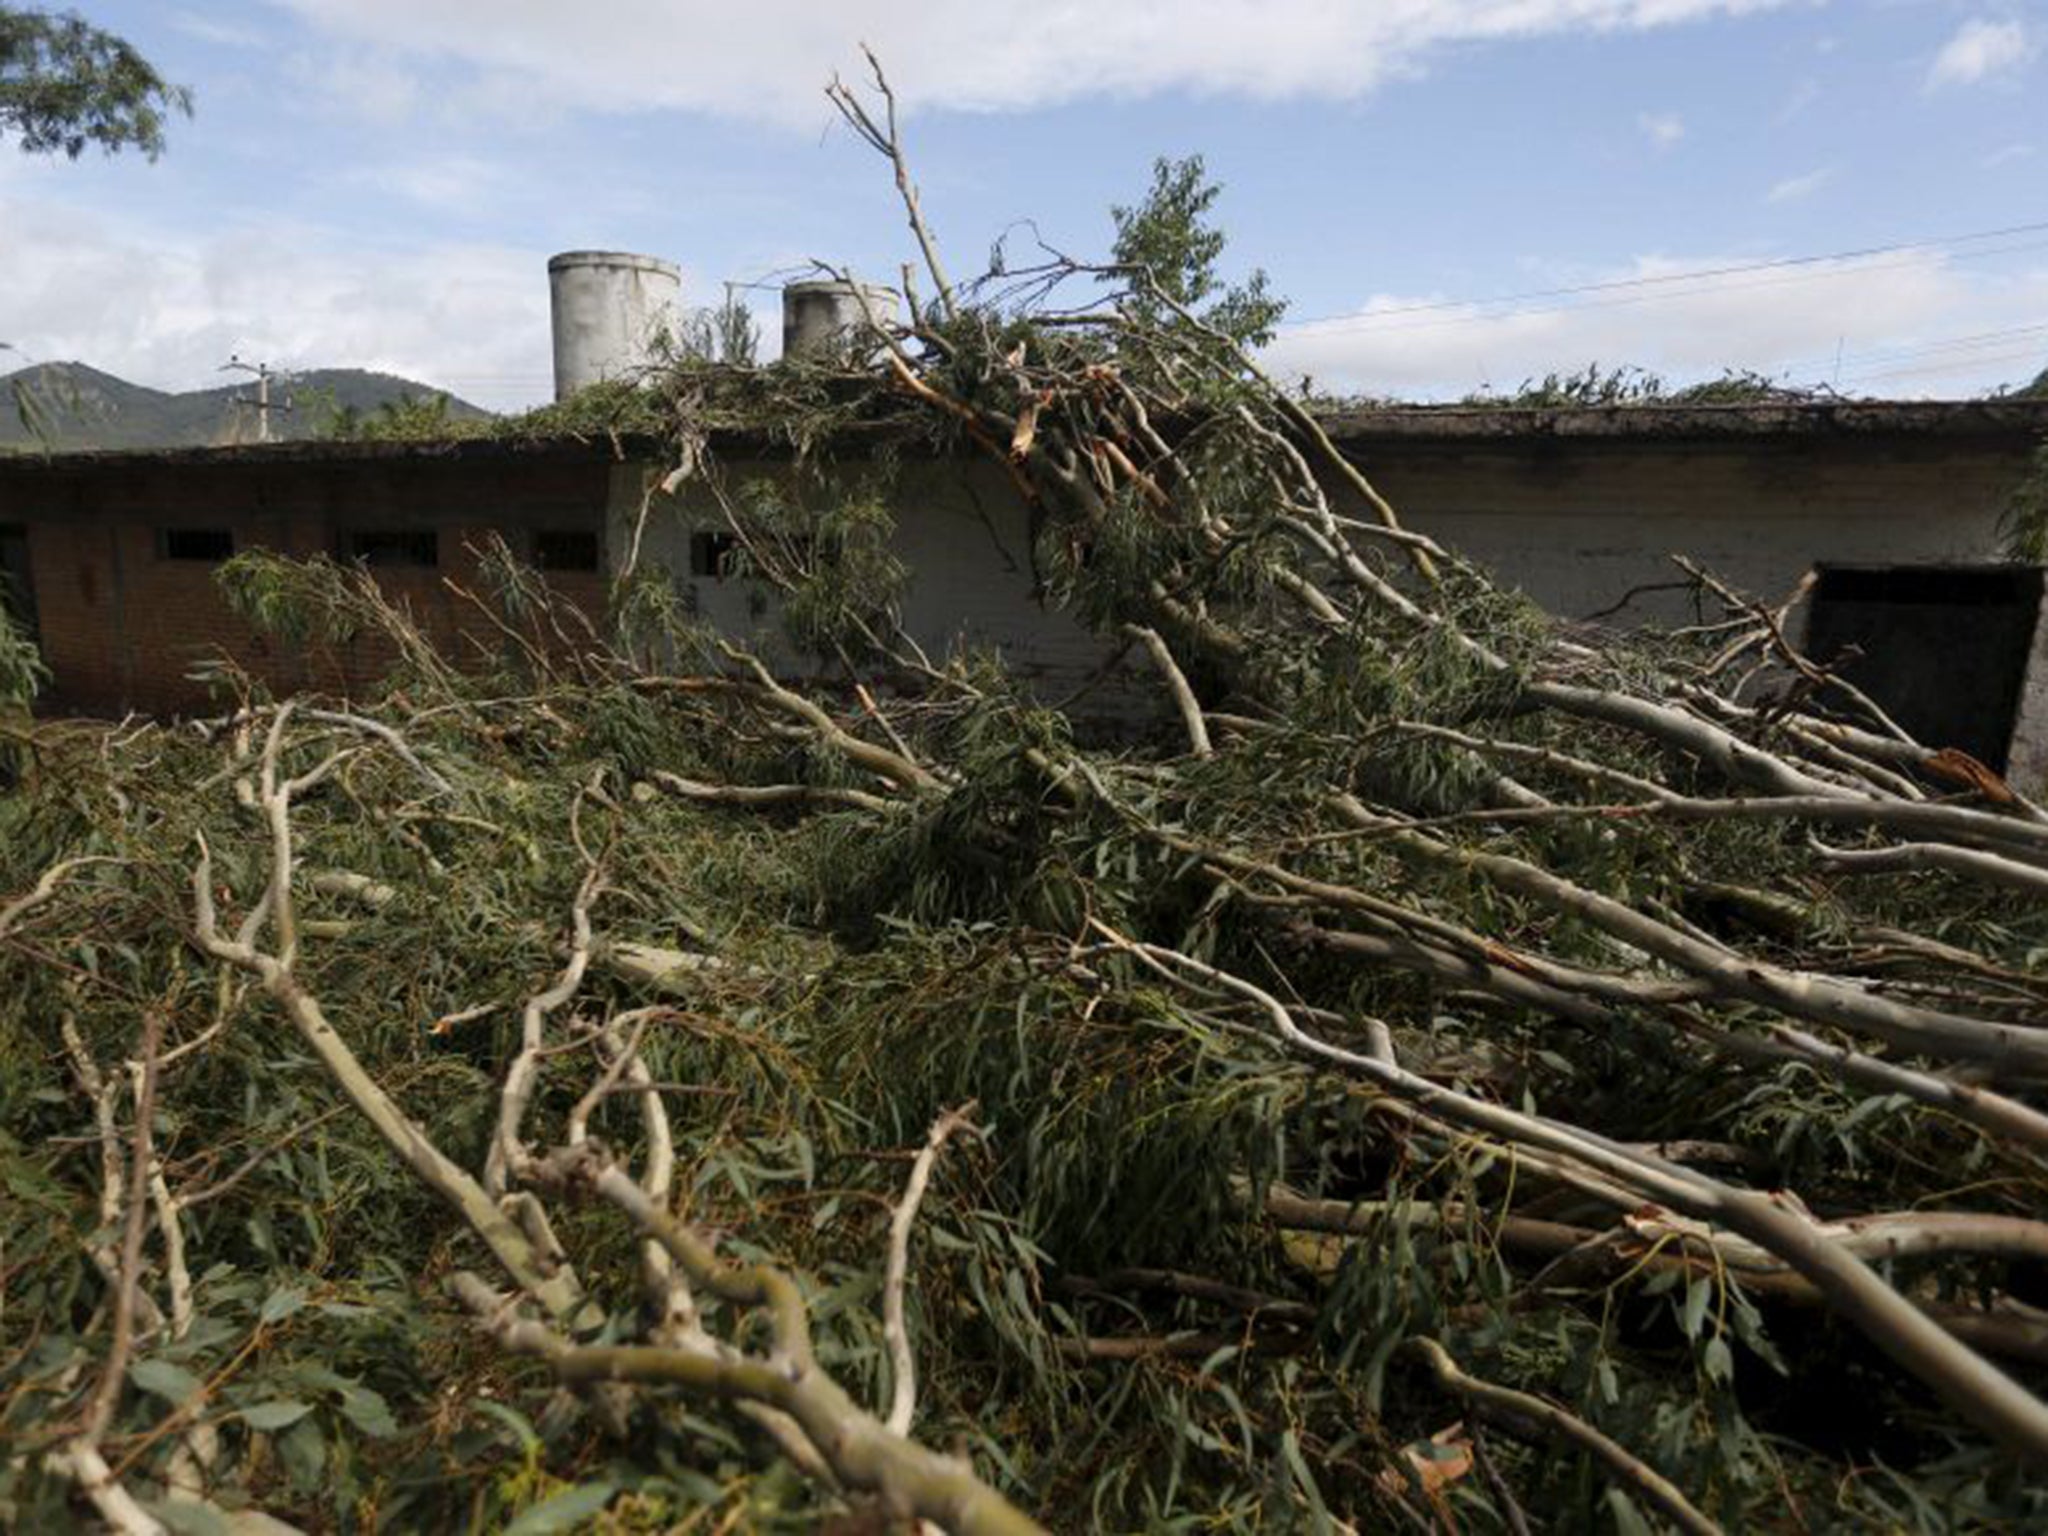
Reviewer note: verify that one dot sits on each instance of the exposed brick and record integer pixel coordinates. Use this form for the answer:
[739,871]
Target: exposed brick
[122,626]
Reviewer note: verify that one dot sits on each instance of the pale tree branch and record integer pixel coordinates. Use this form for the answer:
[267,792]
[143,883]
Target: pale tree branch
[861,1452]
[884,139]
[902,1362]
[1525,1412]
[1976,1389]
[80,1458]
[556,1288]
[1177,685]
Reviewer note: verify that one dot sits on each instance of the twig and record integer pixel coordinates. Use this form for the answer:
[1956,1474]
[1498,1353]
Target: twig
[902,1363]
[79,1458]
[1177,684]
[1510,1507]
[1524,1411]
[756,795]
[140,1153]
[44,889]
[886,141]
[508,1155]
[860,1450]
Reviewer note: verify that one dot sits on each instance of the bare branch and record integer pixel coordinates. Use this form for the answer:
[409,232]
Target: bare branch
[902,1363]
[1525,1412]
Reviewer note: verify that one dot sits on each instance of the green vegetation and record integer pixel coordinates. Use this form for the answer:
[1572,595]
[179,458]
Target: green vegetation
[66,85]
[2024,521]
[1594,388]
[1168,238]
[409,418]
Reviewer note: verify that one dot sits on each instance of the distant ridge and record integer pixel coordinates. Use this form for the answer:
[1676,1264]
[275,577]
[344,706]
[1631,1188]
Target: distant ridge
[77,406]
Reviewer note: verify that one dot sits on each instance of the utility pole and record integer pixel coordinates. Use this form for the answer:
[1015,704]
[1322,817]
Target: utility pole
[261,401]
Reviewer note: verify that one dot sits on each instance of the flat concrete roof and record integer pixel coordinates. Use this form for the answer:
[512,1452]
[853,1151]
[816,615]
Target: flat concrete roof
[2015,420]
[1794,418]
[320,451]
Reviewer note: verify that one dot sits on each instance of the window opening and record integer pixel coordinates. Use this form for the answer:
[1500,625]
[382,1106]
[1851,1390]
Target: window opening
[211,545]
[395,547]
[565,549]
[713,553]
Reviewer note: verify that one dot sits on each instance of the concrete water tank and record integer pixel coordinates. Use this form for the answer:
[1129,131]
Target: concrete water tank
[607,307]
[819,316]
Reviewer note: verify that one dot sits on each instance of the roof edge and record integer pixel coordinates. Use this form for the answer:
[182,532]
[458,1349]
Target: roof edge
[2014,420]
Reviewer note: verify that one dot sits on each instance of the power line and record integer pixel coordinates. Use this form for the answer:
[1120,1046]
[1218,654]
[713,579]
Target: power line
[1967,343]
[1357,319]
[1366,326]
[1368,322]
[2031,354]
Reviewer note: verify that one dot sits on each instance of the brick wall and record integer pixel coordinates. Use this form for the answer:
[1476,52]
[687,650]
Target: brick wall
[123,623]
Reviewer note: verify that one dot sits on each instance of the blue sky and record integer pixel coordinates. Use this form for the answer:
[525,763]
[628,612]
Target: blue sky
[379,183]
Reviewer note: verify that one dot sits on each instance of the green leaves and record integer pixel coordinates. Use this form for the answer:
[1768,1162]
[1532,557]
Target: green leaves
[164,1379]
[22,672]
[1169,238]
[65,84]
[1698,1293]
[272,1416]
[565,1511]
[368,1411]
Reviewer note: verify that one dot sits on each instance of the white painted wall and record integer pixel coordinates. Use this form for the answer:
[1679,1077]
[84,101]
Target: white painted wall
[961,529]
[1575,523]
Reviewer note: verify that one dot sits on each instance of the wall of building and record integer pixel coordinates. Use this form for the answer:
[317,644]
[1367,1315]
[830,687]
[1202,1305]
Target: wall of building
[1584,525]
[123,624]
[1578,523]
[961,529]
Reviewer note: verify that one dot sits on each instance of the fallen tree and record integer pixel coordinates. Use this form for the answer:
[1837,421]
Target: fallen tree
[1449,1069]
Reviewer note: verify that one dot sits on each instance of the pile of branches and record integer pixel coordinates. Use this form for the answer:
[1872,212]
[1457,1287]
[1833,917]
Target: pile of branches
[1447,1071]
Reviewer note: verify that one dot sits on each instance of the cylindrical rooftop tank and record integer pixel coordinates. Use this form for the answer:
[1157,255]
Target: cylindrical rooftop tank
[607,307]
[819,316]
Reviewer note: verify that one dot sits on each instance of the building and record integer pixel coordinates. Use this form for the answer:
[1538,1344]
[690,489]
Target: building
[111,555]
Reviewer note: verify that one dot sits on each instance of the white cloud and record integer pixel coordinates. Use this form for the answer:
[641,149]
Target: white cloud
[1804,95]
[1662,129]
[770,58]
[1979,49]
[457,183]
[2006,154]
[167,311]
[209,30]
[1904,324]
[1793,188]
[368,83]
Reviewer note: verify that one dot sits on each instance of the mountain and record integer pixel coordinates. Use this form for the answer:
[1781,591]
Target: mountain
[69,406]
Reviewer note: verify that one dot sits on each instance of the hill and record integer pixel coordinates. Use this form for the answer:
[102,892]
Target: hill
[72,406]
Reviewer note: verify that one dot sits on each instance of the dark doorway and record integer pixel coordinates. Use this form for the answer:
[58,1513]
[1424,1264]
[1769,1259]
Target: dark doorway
[17,592]
[1942,647]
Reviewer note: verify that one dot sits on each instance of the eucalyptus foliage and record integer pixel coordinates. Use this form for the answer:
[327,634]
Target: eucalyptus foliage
[66,84]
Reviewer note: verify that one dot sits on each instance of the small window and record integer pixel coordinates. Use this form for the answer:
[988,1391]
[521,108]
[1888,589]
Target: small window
[712,553]
[565,549]
[417,547]
[210,545]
